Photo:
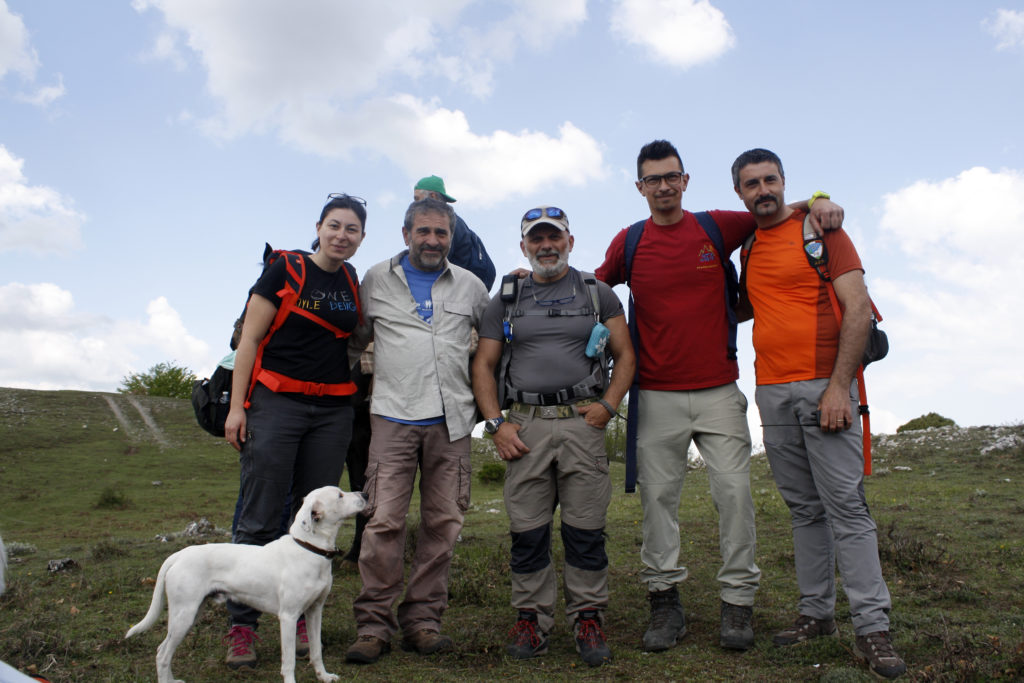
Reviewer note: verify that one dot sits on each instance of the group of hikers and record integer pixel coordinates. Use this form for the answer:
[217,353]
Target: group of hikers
[393,372]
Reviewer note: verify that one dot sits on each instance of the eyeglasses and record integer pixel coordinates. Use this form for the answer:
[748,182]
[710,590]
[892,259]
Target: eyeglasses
[653,181]
[556,302]
[341,195]
[550,212]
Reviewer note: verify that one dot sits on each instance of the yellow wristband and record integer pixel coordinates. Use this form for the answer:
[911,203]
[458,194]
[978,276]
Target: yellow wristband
[817,195]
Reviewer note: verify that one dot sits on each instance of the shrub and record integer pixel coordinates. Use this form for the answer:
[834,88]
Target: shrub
[926,421]
[112,500]
[491,473]
[163,379]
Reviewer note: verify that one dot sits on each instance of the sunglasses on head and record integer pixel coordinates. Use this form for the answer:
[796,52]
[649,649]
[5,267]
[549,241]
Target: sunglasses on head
[342,196]
[550,212]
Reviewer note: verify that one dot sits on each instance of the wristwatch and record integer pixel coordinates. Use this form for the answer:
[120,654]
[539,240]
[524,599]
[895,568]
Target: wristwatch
[491,426]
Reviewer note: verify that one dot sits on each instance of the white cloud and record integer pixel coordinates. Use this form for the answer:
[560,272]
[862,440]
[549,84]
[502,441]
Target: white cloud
[277,69]
[1007,27]
[266,58]
[34,218]
[46,344]
[485,168]
[681,33]
[533,24]
[954,307]
[45,95]
[16,53]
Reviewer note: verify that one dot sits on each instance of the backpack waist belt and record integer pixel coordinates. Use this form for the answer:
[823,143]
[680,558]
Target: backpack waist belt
[588,388]
[277,382]
[559,412]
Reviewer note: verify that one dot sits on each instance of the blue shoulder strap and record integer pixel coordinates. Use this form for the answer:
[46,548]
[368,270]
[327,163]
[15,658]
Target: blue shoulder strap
[633,234]
[729,269]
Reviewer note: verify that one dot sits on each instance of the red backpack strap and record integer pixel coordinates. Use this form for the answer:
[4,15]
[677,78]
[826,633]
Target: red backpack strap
[817,257]
[295,278]
[862,392]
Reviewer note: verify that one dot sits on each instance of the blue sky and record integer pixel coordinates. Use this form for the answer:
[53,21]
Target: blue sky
[148,149]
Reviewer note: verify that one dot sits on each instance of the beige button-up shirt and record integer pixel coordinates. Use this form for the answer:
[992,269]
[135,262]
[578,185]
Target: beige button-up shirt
[421,369]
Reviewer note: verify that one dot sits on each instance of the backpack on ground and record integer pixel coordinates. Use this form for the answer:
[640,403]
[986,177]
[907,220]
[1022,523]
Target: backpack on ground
[211,397]
[633,235]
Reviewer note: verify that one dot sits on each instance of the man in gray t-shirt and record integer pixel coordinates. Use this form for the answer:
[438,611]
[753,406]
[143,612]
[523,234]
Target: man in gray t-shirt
[553,439]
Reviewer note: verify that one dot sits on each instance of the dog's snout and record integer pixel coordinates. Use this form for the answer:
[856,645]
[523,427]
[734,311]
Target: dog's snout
[363,496]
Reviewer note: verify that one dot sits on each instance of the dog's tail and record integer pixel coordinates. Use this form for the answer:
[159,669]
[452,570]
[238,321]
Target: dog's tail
[157,605]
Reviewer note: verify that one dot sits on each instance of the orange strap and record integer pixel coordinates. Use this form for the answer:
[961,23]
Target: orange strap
[862,392]
[277,382]
[289,297]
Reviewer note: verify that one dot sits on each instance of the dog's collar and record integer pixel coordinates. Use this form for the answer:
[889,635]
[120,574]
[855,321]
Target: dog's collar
[329,554]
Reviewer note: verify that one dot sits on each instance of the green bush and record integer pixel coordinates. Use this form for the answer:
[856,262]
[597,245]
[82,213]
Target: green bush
[163,379]
[926,421]
[111,499]
[491,473]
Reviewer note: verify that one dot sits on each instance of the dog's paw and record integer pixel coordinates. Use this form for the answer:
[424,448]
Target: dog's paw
[327,678]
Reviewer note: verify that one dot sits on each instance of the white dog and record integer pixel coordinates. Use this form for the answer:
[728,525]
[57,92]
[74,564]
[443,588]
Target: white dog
[288,577]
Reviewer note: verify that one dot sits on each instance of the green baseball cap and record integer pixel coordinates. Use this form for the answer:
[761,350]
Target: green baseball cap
[433,183]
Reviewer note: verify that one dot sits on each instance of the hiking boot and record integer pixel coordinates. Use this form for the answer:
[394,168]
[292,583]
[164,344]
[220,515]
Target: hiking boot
[590,639]
[301,639]
[876,649]
[427,642]
[526,642]
[367,649]
[668,623]
[241,648]
[737,630]
[805,628]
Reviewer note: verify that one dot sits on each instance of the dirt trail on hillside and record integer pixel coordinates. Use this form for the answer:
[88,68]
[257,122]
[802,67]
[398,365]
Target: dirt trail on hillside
[154,430]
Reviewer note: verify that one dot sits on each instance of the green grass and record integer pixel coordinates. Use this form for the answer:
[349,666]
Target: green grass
[114,496]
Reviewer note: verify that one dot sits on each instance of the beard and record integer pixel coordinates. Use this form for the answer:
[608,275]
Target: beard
[546,270]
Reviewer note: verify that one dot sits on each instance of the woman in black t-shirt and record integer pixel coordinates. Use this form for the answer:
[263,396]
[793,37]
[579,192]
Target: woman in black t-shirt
[291,412]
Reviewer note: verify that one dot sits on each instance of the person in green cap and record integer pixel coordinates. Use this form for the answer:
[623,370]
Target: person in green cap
[467,249]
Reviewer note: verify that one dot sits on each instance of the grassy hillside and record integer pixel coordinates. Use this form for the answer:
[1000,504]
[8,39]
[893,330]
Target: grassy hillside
[111,485]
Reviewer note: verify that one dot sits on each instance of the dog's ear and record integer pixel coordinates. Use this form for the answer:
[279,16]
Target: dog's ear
[316,513]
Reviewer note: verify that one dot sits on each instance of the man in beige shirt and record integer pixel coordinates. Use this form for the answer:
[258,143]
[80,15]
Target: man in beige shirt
[420,311]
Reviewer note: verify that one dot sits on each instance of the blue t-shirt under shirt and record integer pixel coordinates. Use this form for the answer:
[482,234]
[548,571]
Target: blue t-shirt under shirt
[420,284]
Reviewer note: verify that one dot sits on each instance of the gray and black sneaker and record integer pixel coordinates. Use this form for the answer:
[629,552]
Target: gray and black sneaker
[877,651]
[737,629]
[590,643]
[805,628]
[668,623]
[525,641]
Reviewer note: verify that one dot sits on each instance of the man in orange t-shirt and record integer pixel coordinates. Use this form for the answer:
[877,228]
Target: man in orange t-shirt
[805,365]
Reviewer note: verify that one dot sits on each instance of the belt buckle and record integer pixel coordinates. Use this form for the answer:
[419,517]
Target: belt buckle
[548,412]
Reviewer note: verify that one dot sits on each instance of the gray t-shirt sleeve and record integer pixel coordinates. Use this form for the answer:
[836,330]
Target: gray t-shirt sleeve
[490,325]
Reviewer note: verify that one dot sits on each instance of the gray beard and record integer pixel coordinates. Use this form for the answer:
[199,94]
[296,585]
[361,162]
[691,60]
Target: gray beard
[554,269]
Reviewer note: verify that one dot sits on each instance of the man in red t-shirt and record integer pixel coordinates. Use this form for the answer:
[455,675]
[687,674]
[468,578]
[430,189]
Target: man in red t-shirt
[688,392]
[805,366]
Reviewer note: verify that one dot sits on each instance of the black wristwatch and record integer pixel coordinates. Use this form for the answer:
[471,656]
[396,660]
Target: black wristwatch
[491,426]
